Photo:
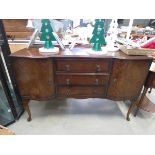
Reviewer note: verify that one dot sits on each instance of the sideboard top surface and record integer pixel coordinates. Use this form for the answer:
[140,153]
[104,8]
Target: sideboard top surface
[79,52]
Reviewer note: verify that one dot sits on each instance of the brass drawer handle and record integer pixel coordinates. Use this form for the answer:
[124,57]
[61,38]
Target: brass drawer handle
[96,82]
[68,92]
[98,68]
[67,68]
[68,82]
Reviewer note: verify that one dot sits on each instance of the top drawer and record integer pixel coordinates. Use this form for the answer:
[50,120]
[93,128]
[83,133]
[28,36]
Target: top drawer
[83,65]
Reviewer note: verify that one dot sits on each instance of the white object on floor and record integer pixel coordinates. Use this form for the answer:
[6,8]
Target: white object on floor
[54,50]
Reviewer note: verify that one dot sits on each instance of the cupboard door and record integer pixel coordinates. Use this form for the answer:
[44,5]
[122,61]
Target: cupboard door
[127,79]
[34,77]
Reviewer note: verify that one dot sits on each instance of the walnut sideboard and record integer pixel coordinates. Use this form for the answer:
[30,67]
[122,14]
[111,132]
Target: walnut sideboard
[114,75]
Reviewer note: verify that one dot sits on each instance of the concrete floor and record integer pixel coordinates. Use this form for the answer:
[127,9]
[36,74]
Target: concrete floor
[84,116]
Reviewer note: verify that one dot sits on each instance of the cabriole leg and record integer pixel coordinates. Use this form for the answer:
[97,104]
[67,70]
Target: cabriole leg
[150,90]
[140,101]
[27,109]
[131,108]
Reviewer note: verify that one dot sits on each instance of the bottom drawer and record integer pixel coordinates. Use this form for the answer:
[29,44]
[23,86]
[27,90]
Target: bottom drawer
[81,91]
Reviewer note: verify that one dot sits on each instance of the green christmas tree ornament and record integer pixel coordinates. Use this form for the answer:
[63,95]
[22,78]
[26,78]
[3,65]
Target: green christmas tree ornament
[48,44]
[48,37]
[98,39]
[46,33]
[97,47]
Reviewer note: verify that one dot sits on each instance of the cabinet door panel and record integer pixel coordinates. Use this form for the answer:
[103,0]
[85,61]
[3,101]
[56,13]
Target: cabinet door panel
[34,77]
[128,77]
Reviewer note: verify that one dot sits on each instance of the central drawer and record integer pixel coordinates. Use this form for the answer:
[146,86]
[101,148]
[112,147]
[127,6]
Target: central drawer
[81,91]
[83,65]
[93,80]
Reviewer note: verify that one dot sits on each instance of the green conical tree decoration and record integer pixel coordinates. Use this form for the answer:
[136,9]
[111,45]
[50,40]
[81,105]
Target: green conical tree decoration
[46,33]
[98,35]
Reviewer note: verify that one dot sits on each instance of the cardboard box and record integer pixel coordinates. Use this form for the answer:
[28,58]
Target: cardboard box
[5,131]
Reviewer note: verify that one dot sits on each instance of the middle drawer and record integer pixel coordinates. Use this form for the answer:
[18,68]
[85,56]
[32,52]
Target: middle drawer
[82,80]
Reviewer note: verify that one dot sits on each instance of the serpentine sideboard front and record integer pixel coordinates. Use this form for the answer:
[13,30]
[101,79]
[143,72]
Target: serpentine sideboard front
[114,75]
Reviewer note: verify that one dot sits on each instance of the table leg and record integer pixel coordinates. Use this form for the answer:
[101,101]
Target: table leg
[141,99]
[150,90]
[27,109]
[131,108]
